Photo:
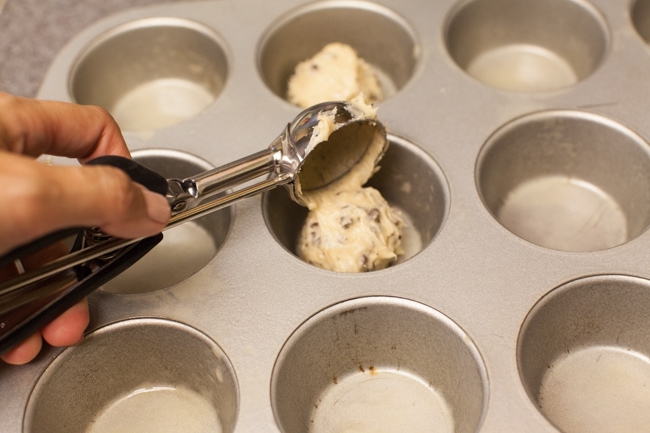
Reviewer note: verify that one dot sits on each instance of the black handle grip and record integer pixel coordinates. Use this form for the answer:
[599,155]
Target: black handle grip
[137,172]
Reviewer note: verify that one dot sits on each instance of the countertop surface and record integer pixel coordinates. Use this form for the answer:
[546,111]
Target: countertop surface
[32,32]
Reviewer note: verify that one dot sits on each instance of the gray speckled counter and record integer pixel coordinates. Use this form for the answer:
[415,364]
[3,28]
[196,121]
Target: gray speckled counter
[32,32]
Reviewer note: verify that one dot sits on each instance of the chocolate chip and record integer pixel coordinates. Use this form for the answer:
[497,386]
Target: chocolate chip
[364,263]
[345,222]
[374,214]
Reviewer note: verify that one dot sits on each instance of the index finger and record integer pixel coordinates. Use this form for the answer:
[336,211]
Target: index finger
[35,127]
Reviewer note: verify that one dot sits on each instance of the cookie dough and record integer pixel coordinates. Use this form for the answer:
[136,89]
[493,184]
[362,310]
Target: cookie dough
[336,73]
[350,228]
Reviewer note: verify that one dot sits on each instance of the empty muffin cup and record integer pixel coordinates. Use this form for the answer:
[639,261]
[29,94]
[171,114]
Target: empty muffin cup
[137,375]
[185,249]
[584,355]
[567,180]
[524,46]
[379,364]
[385,41]
[151,73]
[640,14]
[410,181]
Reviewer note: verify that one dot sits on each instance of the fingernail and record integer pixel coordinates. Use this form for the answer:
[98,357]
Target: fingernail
[157,206]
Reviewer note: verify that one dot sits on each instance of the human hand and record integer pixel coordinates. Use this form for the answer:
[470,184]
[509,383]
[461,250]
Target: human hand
[40,199]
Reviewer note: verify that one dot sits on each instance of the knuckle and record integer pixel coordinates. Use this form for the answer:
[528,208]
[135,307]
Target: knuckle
[35,190]
[9,106]
[102,115]
[100,112]
[29,200]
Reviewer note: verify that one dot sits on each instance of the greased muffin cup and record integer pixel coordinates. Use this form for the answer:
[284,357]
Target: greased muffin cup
[134,371]
[518,157]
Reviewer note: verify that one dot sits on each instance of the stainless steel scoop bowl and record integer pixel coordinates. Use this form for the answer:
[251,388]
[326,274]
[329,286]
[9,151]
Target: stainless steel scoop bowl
[296,158]
[322,145]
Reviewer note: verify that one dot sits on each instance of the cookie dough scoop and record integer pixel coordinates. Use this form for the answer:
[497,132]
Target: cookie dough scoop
[325,144]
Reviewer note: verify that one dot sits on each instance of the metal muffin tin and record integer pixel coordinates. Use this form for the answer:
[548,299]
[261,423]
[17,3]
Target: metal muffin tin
[522,306]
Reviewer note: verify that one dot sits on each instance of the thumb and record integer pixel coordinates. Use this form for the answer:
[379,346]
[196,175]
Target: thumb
[106,197]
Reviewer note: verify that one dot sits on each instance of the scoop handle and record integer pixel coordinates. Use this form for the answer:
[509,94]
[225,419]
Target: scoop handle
[137,172]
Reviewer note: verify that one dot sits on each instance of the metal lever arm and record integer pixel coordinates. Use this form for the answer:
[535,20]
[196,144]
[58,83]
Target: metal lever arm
[188,193]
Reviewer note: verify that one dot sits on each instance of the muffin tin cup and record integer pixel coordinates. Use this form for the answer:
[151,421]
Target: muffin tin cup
[529,204]
[527,47]
[640,15]
[567,180]
[386,41]
[137,374]
[379,363]
[584,355]
[408,178]
[151,73]
[185,249]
